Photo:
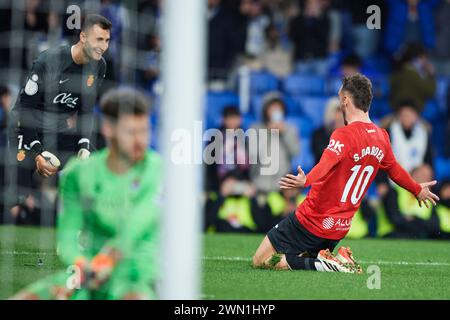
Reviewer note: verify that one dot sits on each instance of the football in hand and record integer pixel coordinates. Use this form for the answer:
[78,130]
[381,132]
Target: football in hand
[51,158]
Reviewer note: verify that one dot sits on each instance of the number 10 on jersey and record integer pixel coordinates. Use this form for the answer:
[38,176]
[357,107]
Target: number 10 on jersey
[358,190]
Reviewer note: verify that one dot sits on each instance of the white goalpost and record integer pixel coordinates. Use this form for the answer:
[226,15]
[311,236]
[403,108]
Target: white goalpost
[183,70]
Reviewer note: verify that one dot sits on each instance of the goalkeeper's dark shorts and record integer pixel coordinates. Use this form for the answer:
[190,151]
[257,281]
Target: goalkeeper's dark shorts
[289,236]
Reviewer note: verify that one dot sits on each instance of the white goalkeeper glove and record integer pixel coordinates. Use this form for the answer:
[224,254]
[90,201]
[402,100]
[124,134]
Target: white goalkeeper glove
[83,154]
[51,158]
[47,164]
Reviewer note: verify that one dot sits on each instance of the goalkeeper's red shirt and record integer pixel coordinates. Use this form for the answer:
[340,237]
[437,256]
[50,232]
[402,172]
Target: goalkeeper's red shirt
[343,175]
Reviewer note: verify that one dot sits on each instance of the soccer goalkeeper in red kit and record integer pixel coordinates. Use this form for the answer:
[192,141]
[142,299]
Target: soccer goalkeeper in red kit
[306,238]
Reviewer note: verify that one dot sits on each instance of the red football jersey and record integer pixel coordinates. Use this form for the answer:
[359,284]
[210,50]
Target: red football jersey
[343,175]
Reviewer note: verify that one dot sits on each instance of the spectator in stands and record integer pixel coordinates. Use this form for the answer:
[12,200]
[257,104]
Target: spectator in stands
[333,119]
[5,105]
[229,206]
[441,54]
[117,13]
[38,209]
[222,46]
[6,33]
[234,166]
[365,40]
[288,146]
[408,219]
[249,35]
[443,210]
[257,23]
[350,65]
[409,21]
[151,62]
[414,78]
[276,58]
[35,25]
[447,135]
[410,137]
[281,12]
[310,33]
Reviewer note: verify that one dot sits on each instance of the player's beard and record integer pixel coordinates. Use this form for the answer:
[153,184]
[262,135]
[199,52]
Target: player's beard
[344,116]
[89,51]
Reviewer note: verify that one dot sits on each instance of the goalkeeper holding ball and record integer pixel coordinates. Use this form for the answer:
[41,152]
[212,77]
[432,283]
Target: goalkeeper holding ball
[108,224]
[52,118]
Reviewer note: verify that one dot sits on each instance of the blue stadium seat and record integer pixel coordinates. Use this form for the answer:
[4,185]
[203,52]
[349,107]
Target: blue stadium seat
[248,120]
[301,84]
[376,64]
[442,86]
[262,81]
[438,137]
[305,158]
[303,125]
[432,111]
[380,108]
[215,102]
[155,143]
[333,85]
[313,108]
[442,168]
[380,85]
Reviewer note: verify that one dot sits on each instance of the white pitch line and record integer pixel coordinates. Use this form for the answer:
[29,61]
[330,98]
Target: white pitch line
[402,263]
[27,253]
[223,258]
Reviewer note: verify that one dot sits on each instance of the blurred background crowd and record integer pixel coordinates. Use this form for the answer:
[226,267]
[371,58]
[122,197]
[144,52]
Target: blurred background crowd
[275,64]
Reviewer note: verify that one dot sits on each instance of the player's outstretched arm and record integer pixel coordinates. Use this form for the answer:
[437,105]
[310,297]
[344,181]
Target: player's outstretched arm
[425,194]
[401,177]
[421,190]
[326,163]
[291,182]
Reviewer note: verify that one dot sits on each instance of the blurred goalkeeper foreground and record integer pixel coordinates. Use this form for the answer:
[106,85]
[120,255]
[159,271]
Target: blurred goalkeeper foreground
[107,230]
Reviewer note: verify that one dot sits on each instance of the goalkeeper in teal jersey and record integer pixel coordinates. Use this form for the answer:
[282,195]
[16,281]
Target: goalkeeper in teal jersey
[108,225]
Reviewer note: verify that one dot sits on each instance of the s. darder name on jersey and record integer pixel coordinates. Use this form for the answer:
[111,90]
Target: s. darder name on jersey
[369,151]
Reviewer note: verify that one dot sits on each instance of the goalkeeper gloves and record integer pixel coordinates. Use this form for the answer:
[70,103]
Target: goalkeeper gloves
[99,270]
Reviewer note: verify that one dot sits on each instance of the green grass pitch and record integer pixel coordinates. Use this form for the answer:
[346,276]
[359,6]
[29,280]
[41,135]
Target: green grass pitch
[408,269]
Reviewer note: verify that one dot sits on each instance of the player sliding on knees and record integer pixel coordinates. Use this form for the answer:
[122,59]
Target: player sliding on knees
[306,238]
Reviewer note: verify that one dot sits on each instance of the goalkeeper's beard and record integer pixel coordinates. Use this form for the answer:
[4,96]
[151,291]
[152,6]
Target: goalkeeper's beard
[122,155]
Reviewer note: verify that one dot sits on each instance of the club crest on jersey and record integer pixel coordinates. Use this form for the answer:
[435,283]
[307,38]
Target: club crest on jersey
[21,155]
[31,86]
[90,80]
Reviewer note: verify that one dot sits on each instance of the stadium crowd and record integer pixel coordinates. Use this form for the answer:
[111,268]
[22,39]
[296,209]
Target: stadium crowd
[278,64]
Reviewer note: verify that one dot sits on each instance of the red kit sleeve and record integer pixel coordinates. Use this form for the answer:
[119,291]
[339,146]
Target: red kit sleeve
[331,156]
